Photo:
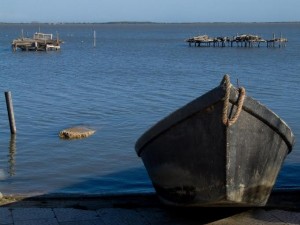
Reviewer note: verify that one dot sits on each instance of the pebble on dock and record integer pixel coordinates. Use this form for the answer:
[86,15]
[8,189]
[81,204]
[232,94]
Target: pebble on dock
[76,132]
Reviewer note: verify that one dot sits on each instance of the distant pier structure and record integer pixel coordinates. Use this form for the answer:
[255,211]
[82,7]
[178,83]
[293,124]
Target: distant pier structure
[39,42]
[244,40]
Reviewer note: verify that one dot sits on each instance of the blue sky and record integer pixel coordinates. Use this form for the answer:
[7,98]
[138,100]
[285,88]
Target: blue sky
[149,10]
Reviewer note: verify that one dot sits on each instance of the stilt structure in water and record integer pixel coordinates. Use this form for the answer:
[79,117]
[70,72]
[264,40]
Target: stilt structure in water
[281,42]
[39,42]
[244,40]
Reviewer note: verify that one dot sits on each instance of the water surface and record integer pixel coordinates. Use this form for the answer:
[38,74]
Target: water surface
[136,75]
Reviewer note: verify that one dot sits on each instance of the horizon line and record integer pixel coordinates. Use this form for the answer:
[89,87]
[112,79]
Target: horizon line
[141,22]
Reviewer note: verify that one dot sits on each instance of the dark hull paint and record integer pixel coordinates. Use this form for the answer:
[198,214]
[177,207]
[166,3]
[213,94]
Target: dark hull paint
[193,159]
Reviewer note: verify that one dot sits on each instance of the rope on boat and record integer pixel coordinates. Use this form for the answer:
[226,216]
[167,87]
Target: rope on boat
[242,93]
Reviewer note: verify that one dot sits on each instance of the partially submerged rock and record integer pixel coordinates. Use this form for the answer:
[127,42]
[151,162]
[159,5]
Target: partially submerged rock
[76,132]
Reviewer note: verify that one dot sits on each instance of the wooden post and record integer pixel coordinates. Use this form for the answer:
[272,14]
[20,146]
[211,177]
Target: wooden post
[94,38]
[10,112]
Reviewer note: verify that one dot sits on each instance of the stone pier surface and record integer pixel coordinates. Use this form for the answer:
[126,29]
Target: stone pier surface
[145,209]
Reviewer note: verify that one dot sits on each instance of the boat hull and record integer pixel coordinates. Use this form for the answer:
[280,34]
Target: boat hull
[193,159]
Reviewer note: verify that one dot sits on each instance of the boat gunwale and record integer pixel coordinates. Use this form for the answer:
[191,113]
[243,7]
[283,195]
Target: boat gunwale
[252,106]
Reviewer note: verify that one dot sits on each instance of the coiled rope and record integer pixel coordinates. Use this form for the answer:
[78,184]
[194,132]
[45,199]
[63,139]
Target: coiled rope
[242,92]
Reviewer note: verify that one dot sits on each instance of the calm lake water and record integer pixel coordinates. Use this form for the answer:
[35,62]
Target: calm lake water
[136,75]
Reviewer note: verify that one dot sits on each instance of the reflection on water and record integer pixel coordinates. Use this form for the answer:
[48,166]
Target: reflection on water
[10,170]
[11,156]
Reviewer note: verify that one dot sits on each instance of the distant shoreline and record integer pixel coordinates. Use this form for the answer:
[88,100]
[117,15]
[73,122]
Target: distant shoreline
[133,22]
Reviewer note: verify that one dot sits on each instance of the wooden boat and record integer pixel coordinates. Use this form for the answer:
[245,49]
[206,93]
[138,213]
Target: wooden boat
[222,149]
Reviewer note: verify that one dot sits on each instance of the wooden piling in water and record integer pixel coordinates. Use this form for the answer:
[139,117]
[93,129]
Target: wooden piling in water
[94,38]
[10,111]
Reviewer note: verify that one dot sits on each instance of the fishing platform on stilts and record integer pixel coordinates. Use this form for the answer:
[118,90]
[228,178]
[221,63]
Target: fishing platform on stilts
[244,40]
[39,42]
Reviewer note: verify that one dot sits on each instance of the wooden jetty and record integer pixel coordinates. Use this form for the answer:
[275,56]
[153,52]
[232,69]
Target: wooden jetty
[39,42]
[244,40]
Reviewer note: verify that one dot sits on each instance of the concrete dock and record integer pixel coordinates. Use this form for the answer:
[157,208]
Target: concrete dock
[283,208]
